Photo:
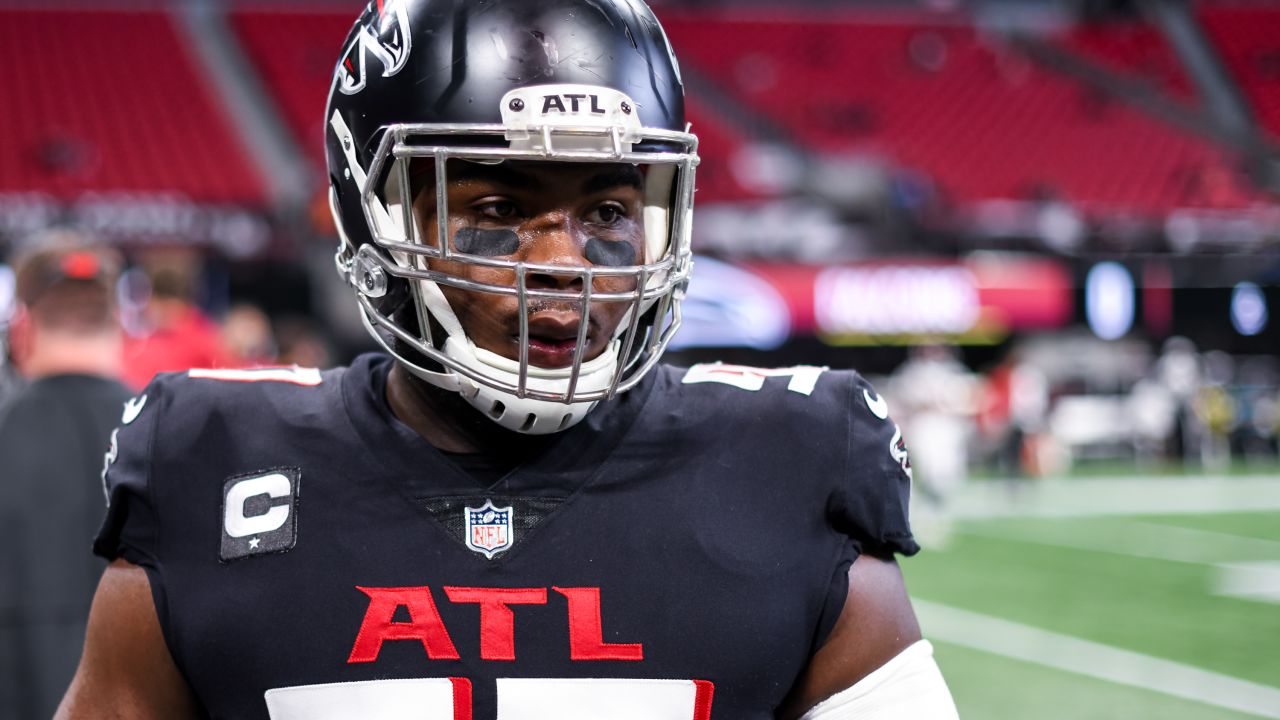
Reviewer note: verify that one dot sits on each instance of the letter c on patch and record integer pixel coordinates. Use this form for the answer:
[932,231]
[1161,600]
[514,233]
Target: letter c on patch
[237,524]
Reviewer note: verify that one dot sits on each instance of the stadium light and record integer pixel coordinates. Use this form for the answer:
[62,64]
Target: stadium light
[1108,300]
[1248,309]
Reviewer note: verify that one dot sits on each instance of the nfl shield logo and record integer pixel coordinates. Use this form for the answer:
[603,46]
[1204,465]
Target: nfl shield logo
[489,529]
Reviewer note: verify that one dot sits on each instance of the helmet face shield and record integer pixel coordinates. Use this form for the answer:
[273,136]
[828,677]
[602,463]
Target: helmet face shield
[622,293]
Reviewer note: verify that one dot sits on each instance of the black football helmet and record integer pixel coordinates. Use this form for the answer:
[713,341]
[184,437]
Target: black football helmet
[427,82]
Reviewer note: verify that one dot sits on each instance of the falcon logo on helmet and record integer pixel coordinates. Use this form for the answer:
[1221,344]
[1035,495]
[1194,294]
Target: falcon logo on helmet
[384,33]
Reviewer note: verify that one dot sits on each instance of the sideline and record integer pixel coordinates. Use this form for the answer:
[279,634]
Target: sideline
[1095,660]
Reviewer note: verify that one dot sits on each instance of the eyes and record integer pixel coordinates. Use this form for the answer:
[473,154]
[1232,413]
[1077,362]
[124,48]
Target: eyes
[501,210]
[608,214]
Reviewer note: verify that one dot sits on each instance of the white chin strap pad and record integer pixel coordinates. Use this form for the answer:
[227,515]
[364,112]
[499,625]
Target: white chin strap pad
[908,687]
[528,415]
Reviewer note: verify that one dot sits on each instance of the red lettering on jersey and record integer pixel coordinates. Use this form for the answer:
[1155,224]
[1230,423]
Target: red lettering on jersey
[705,690]
[586,637]
[462,698]
[424,624]
[497,622]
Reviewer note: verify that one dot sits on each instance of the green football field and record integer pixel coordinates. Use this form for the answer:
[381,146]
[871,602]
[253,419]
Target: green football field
[1107,598]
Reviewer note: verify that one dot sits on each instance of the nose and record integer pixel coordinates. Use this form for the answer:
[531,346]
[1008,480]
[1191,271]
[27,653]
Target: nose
[553,240]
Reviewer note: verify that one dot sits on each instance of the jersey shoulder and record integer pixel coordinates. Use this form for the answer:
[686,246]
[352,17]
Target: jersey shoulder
[204,417]
[245,403]
[810,398]
[736,387]
[829,428]
[802,414]
[187,427]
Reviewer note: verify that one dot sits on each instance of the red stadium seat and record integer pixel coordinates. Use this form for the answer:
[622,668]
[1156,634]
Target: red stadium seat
[294,52]
[1132,48]
[1248,39]
[122,107]
[981,120]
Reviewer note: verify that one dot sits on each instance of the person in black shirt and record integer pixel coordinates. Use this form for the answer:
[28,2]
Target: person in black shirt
[53,432]
[515,512]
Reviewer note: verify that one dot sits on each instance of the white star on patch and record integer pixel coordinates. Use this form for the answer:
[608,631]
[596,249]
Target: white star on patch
[253,543]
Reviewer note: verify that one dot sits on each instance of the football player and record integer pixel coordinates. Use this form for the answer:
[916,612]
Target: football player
[515,512]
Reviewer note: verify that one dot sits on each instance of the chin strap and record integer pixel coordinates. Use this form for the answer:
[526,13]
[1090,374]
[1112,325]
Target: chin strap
[530,416]
[446,380]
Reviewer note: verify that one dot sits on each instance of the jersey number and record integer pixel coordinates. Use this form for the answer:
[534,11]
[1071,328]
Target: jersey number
[295,375]
[803,377]
[518,699]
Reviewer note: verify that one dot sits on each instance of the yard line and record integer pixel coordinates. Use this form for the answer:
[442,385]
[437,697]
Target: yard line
[1116,496]
[1135,538]
[1095,660]
[1246,568]
[1258,581]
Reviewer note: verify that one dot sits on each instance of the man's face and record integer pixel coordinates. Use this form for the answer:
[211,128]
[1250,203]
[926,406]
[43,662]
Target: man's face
[573,215]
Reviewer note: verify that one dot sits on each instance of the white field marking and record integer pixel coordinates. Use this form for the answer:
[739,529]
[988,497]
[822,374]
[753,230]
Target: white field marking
[1095,660]
[1244,567]
[1249,580]
[1116,496]
[1136,538]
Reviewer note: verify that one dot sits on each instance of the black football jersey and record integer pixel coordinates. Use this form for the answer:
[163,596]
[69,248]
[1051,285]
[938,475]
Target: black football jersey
[678,555]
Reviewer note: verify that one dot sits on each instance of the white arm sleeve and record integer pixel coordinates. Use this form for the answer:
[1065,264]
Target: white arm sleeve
[908,687]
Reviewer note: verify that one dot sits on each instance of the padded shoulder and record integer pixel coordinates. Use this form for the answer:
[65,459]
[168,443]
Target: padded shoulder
[203,418]
[735,393]
[831,426]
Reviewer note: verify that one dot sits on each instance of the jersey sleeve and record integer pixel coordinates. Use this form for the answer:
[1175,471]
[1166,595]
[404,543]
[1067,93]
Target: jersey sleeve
[871,505]
[130,529]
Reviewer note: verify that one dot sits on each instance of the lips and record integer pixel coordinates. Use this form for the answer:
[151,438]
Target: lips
[551,354]
[553,338]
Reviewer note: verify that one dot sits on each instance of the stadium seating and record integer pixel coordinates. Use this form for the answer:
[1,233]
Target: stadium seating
[1248,39]
[718,144]
[930,96]
[981,120]
[1132,48]
[297,67]
[113,102]
[294,51]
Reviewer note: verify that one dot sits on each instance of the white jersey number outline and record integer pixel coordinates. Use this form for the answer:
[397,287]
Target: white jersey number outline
[803,377]
[518,699]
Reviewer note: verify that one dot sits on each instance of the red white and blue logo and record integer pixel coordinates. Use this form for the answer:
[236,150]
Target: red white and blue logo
[489,529]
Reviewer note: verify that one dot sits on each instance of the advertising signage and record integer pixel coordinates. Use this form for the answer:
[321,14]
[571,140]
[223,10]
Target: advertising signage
[971,301]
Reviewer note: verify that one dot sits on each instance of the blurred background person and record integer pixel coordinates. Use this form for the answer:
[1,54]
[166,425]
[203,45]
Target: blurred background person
[1153,409]
[175,333]
[247,335]
[66,341]
[9,378]
[1181,371]
[1217,411]
[935,396]
[301,343]
[1013,410]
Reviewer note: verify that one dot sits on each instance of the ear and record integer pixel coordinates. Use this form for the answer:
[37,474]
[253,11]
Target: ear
[22,330]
